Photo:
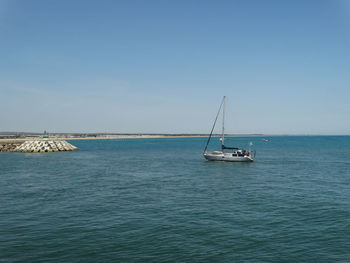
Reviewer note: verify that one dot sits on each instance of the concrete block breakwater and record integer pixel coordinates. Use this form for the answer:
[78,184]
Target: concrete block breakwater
[45,146]
[9,146]
[40,147]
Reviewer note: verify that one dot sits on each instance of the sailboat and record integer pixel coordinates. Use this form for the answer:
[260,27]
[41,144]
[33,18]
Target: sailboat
[235,154]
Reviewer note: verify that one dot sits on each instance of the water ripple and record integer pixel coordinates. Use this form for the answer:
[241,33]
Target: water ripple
[160,201]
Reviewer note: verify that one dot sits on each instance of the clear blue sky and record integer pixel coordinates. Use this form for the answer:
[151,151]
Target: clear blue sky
[163,66]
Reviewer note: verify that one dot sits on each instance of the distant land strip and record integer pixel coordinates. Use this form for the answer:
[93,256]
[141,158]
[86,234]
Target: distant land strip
[19,136]
[23,136]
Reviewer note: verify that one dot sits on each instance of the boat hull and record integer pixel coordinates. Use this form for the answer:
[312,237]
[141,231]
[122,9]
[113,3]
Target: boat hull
[226,157]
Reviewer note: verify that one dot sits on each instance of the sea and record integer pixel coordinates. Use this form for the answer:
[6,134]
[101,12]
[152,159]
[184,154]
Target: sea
[159,200]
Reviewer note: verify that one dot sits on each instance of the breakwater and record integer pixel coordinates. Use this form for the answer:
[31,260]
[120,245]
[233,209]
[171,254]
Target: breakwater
[37,146]
[9,146]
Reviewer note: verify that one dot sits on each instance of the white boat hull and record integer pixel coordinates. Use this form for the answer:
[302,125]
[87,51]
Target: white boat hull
[227,157]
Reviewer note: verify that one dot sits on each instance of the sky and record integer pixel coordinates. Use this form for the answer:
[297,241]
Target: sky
[161,66]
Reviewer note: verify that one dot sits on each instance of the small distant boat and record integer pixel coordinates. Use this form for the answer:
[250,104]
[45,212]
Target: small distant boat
[265,140]
[236,154]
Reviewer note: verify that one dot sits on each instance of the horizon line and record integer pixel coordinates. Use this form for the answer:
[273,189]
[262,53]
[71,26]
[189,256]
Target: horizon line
[168,134]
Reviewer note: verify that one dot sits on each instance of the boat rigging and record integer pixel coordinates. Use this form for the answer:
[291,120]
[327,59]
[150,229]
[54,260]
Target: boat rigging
[237,154]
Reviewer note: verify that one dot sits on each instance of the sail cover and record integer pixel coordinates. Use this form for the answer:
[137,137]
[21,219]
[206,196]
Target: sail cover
[223,147]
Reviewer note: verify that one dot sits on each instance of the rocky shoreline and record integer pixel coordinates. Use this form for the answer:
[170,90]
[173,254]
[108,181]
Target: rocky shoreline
[36,146]
[9,146]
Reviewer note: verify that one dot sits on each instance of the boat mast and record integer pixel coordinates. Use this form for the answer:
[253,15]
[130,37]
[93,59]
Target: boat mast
[223,123]
[212,129]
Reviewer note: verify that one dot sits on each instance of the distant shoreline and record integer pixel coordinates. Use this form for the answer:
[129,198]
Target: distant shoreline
[12,138]
[27,138]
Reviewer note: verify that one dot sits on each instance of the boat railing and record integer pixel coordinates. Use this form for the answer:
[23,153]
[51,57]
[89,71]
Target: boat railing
[252,153]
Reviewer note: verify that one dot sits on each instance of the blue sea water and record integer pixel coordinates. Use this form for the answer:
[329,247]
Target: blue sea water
[158,200]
